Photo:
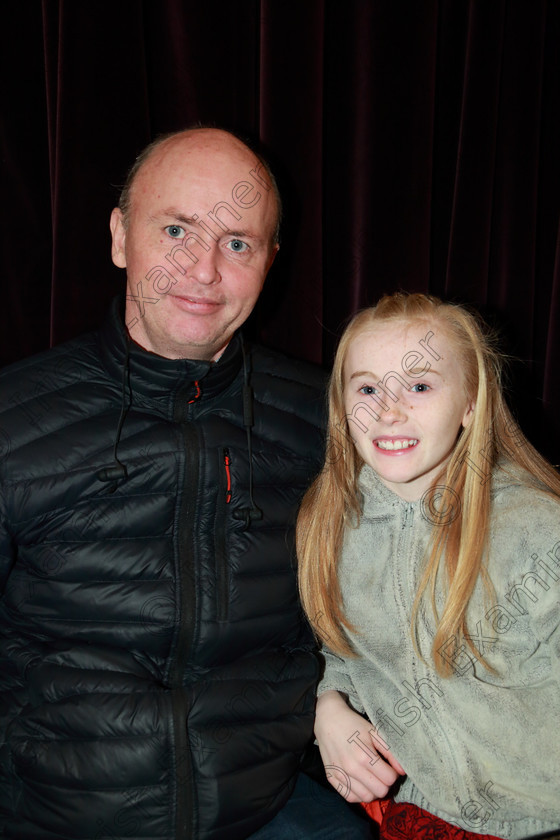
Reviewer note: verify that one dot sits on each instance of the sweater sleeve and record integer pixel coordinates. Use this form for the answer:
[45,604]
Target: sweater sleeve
[336,677]
[538,589]
[526,557]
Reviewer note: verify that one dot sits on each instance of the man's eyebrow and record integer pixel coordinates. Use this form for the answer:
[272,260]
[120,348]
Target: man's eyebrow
[243,234]
[172,213]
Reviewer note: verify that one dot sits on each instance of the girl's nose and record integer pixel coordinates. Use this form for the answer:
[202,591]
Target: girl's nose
[395,413]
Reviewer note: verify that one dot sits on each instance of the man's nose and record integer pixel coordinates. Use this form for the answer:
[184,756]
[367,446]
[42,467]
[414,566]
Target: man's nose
[205,270]
[196,258]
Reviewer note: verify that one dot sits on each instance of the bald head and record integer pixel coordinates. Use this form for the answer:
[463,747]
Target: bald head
[206,141]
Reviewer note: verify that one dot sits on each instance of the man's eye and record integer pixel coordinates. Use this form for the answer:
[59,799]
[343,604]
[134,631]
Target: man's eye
[175,231]
[420,387]
[238,246]
[368,390]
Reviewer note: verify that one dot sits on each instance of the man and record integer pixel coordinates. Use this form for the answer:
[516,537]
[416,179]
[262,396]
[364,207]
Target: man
[157,678]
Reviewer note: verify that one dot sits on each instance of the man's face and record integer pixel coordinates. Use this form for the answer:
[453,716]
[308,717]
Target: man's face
[197,244]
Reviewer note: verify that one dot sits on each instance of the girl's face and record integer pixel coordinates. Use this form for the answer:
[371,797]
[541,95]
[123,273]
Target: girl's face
[405,402]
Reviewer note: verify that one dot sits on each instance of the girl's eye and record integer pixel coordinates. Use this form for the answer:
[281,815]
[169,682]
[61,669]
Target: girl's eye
[238,246]
[175,231]
[367,390]
[420,387]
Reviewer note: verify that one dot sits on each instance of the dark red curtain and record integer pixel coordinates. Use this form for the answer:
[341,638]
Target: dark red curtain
[416,145]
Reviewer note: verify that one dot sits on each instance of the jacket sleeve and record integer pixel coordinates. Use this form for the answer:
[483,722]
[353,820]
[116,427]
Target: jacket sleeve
[7,554]
[6,563]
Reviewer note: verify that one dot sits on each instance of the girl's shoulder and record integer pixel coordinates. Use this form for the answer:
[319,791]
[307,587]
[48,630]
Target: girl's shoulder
[523,557]
[522,512]
[513,487]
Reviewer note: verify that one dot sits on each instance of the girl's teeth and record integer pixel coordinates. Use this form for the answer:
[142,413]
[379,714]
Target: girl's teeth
[396,444]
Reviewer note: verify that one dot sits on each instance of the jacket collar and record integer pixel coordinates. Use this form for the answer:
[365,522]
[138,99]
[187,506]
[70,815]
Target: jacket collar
[155,376]
[376,497]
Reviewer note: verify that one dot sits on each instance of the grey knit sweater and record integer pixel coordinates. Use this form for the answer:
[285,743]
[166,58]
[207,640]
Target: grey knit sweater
[481,749]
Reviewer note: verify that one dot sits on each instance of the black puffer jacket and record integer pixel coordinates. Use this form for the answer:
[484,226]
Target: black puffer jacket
[157,679]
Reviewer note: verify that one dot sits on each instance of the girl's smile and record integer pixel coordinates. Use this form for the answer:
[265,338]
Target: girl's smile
[395,445]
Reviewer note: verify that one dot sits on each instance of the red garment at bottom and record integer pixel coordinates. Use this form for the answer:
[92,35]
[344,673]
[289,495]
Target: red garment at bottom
[400,820]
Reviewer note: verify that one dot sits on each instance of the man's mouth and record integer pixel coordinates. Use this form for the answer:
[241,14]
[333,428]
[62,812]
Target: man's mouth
[196,303]
[400,443]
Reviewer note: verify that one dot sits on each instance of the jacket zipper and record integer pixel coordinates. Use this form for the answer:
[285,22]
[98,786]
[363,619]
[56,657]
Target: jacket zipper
[402,573]
[183,767]
[186,583]
[224,498]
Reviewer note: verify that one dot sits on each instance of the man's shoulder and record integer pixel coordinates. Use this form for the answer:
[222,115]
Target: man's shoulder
[65,360]
[45,393]
[290,385]
[282,367]
[293,394]
[51,369]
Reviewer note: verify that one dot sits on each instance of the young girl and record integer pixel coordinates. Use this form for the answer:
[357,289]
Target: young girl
[429,552]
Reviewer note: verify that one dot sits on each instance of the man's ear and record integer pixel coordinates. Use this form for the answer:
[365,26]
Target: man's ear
[273,251]
[118,233]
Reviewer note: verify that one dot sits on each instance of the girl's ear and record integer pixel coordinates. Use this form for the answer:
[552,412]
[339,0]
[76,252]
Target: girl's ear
[467,416]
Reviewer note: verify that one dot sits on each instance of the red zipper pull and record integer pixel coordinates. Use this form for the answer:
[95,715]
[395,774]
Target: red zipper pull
[227,463]
[198,393]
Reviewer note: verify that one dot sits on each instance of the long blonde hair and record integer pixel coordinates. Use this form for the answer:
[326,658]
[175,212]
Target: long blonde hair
[332,503]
